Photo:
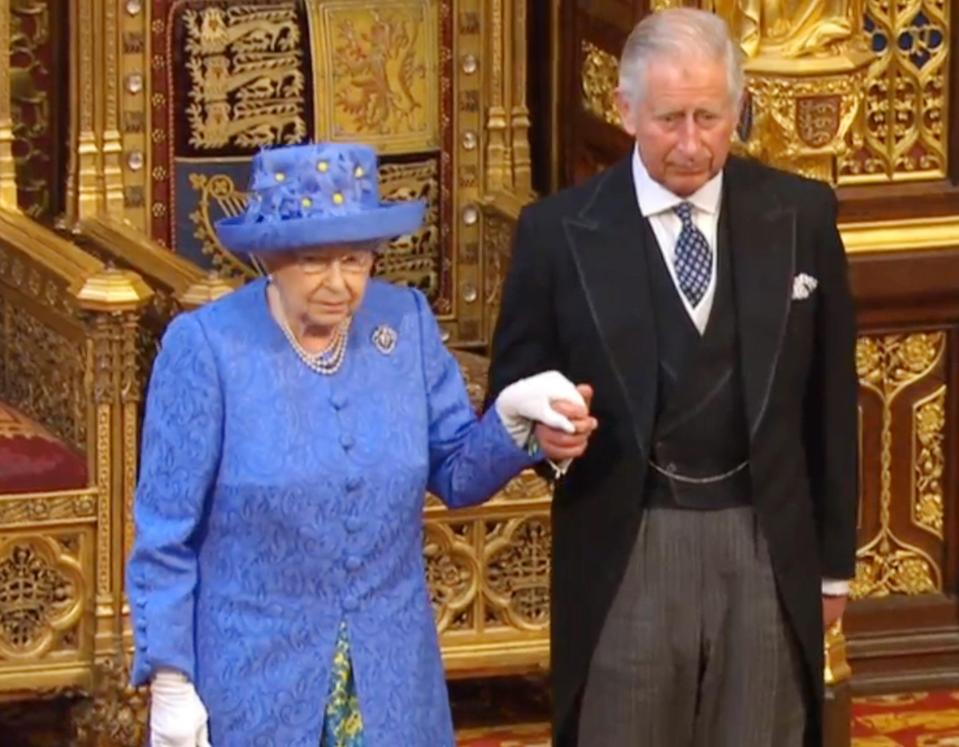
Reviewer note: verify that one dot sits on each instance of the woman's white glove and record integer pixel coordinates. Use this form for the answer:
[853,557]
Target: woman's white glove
[530,400]
[177,715]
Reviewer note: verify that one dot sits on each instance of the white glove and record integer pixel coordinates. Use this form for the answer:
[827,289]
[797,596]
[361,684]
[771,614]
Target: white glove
[530,400]
[177,715]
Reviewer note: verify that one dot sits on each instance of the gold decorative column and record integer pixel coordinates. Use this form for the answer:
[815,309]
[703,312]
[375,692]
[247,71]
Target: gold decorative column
[519,112]
[115,299]
[108,81]
[507,118]
[8,175]
[83,193]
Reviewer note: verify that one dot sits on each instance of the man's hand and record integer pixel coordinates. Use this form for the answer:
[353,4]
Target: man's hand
[832,609]
[558,445]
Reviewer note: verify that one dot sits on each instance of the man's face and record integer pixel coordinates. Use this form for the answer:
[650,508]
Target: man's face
[683,123]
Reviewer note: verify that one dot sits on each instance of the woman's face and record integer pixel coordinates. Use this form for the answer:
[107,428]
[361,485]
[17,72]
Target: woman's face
[322,286]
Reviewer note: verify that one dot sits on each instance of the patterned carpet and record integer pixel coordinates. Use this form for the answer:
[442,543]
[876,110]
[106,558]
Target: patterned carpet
[910,720]
[480,710]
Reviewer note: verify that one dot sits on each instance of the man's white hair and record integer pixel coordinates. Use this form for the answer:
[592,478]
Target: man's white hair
[676,35]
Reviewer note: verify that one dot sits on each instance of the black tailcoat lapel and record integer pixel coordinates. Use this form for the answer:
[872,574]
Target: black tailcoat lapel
[762,236]
[607,243]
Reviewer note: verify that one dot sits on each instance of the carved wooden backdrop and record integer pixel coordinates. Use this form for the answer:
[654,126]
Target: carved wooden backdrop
[891,145]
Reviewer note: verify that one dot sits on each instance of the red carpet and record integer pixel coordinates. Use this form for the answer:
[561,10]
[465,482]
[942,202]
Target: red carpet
[910,720]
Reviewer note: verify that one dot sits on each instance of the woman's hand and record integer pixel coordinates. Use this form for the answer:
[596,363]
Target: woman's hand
[178,717]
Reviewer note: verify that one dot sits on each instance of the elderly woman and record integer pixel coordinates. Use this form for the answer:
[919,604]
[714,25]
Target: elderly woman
[292,431]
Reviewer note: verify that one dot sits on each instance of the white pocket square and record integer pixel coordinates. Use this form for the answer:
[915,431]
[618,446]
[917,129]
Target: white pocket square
[803,286]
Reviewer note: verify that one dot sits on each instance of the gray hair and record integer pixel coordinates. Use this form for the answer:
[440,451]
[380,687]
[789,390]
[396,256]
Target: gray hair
[674,35]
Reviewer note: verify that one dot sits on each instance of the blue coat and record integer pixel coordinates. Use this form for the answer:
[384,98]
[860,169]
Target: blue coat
[275,502]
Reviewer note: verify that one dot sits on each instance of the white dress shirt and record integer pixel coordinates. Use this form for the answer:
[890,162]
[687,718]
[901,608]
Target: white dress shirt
[657,204]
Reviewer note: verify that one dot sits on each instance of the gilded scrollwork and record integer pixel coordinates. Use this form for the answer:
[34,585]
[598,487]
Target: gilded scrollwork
[117,713]
[247,82]
[452,572]
[41,594]
[33,509]
[527,486]
[929,423]
[887,366]
[902,134]
[799,122]
[517,567]
[600,80]
[474,369]
[44,373]
[30,102]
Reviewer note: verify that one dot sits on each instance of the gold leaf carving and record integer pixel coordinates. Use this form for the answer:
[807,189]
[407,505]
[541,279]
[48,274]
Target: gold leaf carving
[929,422]
[30,102]
[888,365]
[451,572]
[902,135]
[44,374]
[600,80]
[117,713]
[40,593]
[32,509]
[247,83]
[518,569]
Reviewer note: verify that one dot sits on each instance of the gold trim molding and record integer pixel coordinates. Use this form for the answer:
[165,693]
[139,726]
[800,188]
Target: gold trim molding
[909,234]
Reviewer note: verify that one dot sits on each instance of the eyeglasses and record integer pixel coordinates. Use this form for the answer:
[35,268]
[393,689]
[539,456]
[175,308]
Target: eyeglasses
[320,263]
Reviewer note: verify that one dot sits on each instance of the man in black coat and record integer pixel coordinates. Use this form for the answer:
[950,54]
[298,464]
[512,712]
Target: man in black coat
[707,534]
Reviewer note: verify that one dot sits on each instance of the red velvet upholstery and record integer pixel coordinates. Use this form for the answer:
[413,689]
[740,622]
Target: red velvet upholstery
[33,460]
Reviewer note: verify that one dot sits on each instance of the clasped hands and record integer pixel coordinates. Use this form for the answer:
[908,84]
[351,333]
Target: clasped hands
[549,408]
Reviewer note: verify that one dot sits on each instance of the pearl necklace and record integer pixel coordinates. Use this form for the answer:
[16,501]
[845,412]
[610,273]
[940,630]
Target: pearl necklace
[327,361]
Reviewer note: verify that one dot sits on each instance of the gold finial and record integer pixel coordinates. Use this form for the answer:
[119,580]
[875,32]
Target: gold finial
[207,289]
[323,166]
[359,173]
[279,176]
[112,290]
[338,198]
[306,202]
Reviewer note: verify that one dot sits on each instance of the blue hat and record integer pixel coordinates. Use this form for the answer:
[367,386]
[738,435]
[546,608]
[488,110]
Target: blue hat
[321,193]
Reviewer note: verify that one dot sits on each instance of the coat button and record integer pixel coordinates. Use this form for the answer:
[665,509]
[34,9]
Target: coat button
[353,563]
[353,524]
[346,441]
[353,484]
[338,401]
[350,603]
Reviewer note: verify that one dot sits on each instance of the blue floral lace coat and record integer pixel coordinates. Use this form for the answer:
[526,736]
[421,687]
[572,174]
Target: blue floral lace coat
[275,503]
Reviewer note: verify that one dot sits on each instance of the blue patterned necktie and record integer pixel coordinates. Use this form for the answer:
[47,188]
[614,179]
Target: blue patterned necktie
[694,258]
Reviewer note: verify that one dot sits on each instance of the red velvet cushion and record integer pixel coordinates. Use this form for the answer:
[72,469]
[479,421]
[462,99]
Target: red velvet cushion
[33,460]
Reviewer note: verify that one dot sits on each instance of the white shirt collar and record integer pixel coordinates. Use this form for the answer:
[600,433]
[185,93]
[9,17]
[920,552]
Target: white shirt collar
[654,198]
